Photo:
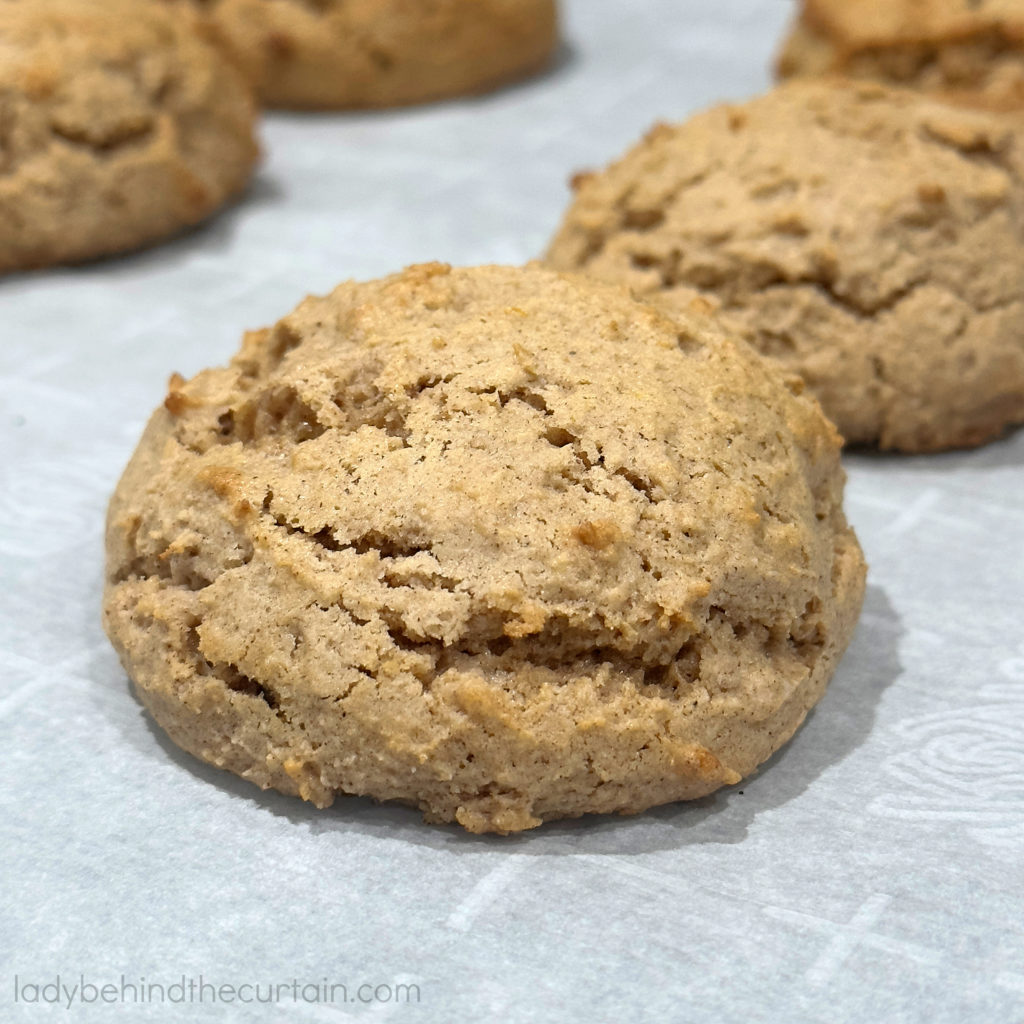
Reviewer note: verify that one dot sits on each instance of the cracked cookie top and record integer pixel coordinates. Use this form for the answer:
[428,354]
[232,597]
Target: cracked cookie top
[869,239]
[972,47]
[334,54]
[458,536]
[118,125]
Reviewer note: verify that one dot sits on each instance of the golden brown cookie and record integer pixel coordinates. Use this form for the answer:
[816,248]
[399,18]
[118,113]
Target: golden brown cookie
[970,47]
[336,54]
[118,126]
[499,543]
[871,240]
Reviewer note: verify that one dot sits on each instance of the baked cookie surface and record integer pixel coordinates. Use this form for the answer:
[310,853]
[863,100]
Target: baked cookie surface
[499,543]
[971,47]
[871,240]
[118,126]
[336,54]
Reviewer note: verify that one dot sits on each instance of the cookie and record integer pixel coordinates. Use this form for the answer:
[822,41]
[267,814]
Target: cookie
[336,54]
[972,48]
[499,543]
[871,240]
[119,126]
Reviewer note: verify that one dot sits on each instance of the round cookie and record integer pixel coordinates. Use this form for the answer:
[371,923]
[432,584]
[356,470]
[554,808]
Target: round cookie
[871,240]
[336,54]
[960,46]
[118,126]
[499,543]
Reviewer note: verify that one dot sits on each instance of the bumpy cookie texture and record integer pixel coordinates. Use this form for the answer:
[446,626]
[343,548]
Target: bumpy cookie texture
[499,543]
[381,53]
[871,240]
[970,47]
[118,126]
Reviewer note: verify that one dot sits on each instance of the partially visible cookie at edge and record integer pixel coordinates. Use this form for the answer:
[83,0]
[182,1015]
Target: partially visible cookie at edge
[974,51]
[340,54]
[119,126]
[869,239]
[502,544]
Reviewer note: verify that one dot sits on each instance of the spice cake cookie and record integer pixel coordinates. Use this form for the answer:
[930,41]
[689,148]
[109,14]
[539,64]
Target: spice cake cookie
[503,544]
[870,239]
[119,126]
[336,54]
[974,48]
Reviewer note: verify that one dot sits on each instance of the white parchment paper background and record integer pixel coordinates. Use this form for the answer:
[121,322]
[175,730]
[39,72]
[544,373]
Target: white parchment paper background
[873,871]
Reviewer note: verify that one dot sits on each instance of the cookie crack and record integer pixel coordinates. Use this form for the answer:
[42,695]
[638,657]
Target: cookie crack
[232,677]
[144,567]
[503,656]
[176,564]
[372,541]
[862,310]
[804,638]
[529,396]
[979,151]
[80,137]
[639,219]
[637,481]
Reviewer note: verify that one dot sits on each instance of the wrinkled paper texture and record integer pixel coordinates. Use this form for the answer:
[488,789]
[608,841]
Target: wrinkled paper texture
[872,871]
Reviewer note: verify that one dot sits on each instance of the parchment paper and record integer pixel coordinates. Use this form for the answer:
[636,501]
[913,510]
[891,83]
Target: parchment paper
[873,871]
